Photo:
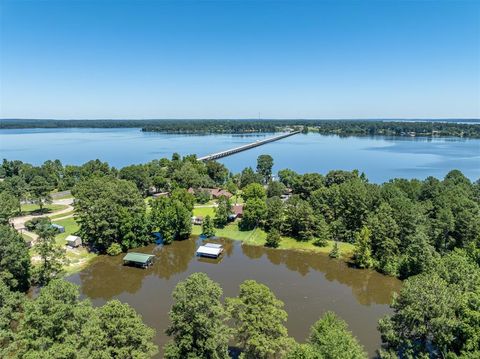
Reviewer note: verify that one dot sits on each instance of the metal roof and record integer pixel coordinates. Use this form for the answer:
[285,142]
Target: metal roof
[209,251]
[138,257]
[212,245]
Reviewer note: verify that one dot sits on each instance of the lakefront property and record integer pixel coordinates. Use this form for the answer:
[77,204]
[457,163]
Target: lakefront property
[240,180]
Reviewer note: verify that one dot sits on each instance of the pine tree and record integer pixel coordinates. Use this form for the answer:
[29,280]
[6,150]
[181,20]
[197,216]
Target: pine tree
[335,252]
[273,238]
[362,254]
[208,228]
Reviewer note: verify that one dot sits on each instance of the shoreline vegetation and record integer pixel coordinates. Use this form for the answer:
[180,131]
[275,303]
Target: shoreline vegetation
[425,232]
[466,128]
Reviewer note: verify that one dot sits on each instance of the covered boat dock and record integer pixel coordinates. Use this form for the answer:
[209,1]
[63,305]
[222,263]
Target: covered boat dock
[138,259]
[210,250]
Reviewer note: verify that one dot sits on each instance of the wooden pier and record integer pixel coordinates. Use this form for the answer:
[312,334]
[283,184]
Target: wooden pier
[232,151]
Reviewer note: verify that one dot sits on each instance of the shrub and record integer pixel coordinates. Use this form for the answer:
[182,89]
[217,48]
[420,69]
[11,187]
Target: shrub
[273,238]
[320,242]
[114,250]
[335,252]
[33,224]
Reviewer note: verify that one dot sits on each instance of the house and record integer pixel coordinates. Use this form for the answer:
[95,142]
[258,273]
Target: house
[198,220]
[138,259]
[214,192]
[218,192]
[73,241]
[58,227]
[161,194]
[210,250]
[237,212]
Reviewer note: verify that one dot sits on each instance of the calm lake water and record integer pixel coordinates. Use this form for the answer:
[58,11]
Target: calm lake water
[308,283]
[380,158]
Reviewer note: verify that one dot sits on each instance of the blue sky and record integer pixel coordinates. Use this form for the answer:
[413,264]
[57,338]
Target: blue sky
[229,59]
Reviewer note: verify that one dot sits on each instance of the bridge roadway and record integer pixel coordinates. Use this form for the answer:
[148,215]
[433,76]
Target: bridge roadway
[232,151]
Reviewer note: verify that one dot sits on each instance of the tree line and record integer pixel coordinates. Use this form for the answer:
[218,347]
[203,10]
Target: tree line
[468,127]
[398,227]
[425,230]
[203,327]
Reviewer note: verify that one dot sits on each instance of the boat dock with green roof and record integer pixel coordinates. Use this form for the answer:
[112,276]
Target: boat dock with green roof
[138,259]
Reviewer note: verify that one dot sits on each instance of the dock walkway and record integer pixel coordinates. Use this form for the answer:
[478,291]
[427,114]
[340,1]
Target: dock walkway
[232,151]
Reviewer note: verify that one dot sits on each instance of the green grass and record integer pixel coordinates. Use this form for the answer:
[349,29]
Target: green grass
[204,211]
[26,237]
[48,208]
[78,257]
[61,215]
[65,196]
[257,237]
[71,227]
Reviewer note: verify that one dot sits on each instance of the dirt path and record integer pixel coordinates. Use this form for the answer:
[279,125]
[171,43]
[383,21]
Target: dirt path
[19,222]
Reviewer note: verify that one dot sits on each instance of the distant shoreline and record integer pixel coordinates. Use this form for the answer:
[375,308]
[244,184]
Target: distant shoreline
[463,128]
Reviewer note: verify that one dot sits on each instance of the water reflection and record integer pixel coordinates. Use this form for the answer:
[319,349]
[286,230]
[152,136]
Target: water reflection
[308,283]
[369,287]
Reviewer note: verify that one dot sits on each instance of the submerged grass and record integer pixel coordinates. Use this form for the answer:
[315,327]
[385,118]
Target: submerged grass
[257,237]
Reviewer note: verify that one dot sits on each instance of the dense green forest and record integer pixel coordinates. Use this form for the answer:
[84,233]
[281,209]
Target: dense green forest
[338,127]
[425,231]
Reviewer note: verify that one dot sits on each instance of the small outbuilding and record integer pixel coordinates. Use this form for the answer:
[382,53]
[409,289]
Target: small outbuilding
[73,241]
[197,220]
[138,259]
[59,228]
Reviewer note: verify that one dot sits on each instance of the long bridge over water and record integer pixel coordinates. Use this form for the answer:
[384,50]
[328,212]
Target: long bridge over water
[232,151]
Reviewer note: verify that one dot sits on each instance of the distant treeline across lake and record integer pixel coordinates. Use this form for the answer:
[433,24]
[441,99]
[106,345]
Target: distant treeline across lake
[432,127]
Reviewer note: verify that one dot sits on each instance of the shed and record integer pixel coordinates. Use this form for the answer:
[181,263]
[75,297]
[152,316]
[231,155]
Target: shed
[73,241]
[139,259]
[198,220]
[60,228]
[210,250]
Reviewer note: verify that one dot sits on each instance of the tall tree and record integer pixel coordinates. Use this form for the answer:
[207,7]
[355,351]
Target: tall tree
[222,211]
[110,211]
[275,213]
[254,213]
[254,191]
[330,338]
[300,221]
[14,259]
[39,190]
[258,319]
[197,320]
[16,186]
[264,167]
[171,218]
[57,324]
[10,306]
[362,253]
[436,312]
[8,206]
[208,228]
[52,256]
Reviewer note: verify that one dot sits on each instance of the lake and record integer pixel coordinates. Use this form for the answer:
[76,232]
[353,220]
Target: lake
[309,284]
[381,158]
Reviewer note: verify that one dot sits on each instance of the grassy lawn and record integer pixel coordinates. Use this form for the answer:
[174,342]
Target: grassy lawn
[48,208]
[257,237]
[61,215]
[78,257]
[26,237]
[65,196]
[204,211]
